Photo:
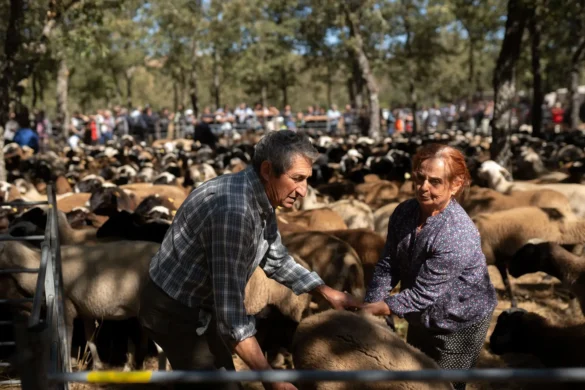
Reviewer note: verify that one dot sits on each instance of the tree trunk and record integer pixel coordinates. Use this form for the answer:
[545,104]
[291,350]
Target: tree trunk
[503,82]
[216,84]
[35,93]
[537,95]
[62,96]
[284,95]
[575,72]
[117,85]
[470,76]
[175,97]
[329,88]
[413,107]
[193,91]
[128,74]
[351,92]
[263,93]
[366,73]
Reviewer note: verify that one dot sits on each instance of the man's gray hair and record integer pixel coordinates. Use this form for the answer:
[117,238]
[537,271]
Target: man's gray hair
[280,148]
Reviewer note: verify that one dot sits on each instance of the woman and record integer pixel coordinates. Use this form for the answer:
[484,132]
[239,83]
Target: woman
[434,250]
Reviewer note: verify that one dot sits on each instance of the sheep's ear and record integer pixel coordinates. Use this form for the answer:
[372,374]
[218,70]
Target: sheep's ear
[507,175]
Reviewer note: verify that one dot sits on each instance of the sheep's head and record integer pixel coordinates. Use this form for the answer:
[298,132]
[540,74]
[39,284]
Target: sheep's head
[507,333]
[530,258]
[490,170]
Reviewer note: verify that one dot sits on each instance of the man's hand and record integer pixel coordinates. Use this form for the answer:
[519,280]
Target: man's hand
[337,299]
[377,308]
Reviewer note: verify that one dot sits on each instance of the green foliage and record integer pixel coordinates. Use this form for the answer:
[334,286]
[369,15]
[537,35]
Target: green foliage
[137,51]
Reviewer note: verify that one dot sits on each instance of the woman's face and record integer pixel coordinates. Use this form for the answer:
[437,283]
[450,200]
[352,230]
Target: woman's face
[433,190]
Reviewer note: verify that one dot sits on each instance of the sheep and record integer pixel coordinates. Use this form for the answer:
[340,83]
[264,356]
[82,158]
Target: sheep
[277,310]
[128,226]
[500,179]
[518,331]
[367,244]
[484,200]
[109,200]
[67,203]
[333,259]
[342,341]
[356,214]
[382,218]
[317,219]
[378,193]
[554,260]
[89,183]
[102,281]
[150,202]
[505,232]
[8,192]
[34,221]
[174,194]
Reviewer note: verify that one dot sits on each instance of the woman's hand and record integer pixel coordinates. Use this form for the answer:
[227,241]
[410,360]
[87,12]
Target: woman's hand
[376,308]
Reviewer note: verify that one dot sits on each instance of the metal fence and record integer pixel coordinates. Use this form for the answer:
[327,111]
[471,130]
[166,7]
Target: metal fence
[41,339]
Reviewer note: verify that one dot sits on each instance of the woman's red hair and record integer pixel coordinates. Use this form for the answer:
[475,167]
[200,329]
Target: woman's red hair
[453,158]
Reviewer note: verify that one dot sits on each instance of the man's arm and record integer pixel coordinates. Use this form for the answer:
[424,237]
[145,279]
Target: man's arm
[228,261]
[279,265]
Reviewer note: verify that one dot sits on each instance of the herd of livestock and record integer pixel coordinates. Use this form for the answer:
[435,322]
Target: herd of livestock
[531,219]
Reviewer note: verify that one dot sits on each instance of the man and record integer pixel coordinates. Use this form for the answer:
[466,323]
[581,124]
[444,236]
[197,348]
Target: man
[193,307]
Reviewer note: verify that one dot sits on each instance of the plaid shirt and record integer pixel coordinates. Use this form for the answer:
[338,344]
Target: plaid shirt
[220,234]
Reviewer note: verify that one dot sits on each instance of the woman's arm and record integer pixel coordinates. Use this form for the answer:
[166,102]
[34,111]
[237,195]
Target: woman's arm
[437,273]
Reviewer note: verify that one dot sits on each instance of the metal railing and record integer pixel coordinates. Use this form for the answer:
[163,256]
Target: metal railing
[41,327]
[298,376]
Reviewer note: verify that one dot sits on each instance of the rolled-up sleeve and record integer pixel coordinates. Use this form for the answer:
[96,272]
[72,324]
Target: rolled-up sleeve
[436,275]
[387,272]
[228,261]
[279,265]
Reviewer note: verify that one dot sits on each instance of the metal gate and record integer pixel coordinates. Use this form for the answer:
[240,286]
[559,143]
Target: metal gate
[41,339]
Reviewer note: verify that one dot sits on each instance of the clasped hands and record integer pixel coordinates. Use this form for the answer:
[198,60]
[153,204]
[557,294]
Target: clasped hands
[341,300]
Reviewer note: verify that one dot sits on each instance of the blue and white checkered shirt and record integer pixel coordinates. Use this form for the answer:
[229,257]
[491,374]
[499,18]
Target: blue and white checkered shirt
[220,234]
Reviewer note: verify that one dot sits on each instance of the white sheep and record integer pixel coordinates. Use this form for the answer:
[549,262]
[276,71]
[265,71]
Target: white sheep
[343,341]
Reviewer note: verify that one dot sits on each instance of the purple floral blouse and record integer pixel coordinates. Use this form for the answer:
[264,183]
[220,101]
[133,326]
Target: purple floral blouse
[445,283]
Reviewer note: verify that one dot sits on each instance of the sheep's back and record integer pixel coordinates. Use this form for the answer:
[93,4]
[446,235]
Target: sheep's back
[341,340]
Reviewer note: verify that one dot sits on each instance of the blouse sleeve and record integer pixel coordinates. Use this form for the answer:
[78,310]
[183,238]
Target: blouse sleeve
[387,272]
[436,275]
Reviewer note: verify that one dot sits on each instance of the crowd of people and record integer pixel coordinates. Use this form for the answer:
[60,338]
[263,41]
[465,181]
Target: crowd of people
[146,124]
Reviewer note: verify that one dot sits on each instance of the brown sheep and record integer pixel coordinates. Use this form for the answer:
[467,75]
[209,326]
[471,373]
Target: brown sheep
[367,244]
[72,201]
[174,194]
[378,193]
[356,214]
[344,341]
[317,219]
[382,218]
[503,233]
[518,331]
[484,200]
[554,260]
[334,260]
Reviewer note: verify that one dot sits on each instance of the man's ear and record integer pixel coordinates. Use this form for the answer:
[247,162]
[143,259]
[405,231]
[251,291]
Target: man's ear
[265,170]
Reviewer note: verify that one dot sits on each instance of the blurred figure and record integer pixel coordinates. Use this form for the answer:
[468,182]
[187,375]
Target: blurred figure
[25,136]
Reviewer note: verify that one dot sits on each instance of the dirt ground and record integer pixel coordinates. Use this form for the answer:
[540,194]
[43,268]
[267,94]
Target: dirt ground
[535,293]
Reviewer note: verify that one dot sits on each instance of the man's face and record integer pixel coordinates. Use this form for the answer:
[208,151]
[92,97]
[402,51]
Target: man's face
[284,190]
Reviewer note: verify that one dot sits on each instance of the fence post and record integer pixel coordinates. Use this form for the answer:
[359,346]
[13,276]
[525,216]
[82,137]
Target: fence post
[32,355]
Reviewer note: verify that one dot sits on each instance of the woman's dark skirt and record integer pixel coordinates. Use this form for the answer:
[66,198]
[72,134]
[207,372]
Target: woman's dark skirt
[452,351]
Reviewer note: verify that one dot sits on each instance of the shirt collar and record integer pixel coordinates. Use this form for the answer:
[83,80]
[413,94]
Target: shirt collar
[259,191]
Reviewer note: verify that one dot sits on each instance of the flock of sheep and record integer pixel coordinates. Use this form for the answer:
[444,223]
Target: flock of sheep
[116,203]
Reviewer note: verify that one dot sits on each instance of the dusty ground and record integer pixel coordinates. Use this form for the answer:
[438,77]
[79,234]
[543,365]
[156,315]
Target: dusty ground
[534,294]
